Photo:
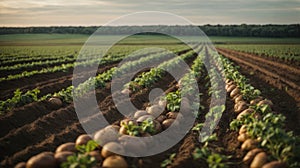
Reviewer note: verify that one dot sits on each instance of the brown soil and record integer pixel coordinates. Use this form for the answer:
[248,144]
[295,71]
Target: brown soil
[279,75]
[37,131]
[287,101]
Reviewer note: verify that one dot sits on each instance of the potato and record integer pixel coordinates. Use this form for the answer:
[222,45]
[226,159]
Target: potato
[145,117]
[56,102]
[234,92]
[249,144]
[250,155]
[83,139]
[154,110]
[238,98]
[242,137]
[114,162]
[161,118]
[240,107]
[112,148]
[62,156]
[42,160]
[227,81]
[139,113]
[245,112]
[21,165]
[106,135]
[243,129]
[172,115]
[231,88]
[96,154]
[69,146]
[167,123]
[112,127]
[275,164]
[157,126]
[265,102]
[259,160]
[256,100]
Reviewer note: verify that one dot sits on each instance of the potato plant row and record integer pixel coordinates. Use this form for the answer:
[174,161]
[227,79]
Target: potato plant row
[261,131]
[283,52]
[119,138]
[65,95]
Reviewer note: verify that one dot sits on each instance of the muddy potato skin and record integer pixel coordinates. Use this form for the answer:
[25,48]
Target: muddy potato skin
[42,160]
[167,123]
[114,162]
[55,102]
[250,155]
[62,156]
[275,164]
[259,160]
[249,144]
[139,113]
[83,139]
[109,148]
[69,146]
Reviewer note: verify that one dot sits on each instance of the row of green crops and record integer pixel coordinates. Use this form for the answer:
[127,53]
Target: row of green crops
[262,128]
[283,52]
[65,94]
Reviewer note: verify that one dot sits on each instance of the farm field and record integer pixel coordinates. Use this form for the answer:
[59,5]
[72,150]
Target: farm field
[260,116]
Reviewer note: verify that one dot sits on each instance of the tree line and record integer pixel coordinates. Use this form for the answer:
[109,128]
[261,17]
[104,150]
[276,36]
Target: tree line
[243,30]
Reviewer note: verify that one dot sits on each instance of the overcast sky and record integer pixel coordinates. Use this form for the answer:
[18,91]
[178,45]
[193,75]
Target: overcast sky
[98,12]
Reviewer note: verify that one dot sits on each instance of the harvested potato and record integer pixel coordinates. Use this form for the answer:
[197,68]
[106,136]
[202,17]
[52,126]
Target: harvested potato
[139,113]
[245,112]
[167,123]
[243,137]
[69,146]
[161,118]
[250,155]
[240,106]
[234,92]
[83,139]
[243,129]
[275,164]
[259,160]
[42,160]
[114,162]
[112,148]
[154,110]
[249,144]
[56,102]
[62,156]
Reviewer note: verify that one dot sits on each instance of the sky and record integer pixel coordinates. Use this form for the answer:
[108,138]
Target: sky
[100,12]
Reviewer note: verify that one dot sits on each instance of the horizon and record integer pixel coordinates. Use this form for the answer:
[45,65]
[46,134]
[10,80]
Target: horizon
[34,13]
[149,25]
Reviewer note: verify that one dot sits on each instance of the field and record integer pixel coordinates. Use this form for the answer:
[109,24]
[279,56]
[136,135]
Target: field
[259,78]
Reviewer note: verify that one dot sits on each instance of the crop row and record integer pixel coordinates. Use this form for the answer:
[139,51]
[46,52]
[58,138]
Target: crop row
[261,130]
[283,52]
[20,99]
[119,138]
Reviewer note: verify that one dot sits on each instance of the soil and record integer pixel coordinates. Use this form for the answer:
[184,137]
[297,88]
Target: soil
[45,127]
